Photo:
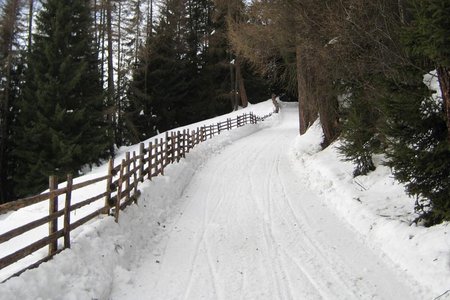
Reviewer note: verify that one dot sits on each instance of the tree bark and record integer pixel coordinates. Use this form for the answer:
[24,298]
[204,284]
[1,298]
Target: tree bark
[233,96]
[241,84]
[307,106]
[8,26]
[444,82]
[111,113]
[30,23]
[329,119]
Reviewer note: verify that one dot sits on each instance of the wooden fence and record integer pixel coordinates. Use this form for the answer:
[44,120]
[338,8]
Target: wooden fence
[120,189]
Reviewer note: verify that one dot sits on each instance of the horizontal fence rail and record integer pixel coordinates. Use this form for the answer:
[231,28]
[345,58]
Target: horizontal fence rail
[120,189]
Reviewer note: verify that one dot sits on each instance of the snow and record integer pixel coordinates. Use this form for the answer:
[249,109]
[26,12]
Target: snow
[255,213]
[378,208]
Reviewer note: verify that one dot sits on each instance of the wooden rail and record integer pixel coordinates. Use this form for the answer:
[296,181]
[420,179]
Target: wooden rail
[120,189]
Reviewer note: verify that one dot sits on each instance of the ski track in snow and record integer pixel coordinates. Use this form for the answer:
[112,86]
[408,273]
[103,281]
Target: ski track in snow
[249,229]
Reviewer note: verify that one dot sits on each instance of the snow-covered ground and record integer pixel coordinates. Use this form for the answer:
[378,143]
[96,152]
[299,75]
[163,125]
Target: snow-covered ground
[255,213]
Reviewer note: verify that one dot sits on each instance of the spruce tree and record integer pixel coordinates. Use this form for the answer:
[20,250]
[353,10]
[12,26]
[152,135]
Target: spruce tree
[428,36]
[360,137]
[417,146]
[61,123]
[10,76]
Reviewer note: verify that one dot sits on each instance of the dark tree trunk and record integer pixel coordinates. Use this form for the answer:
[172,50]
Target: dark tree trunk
[444,82]
[307,107]
[329,118]
[8,30]
[30,23]
[111,105]
[241,84]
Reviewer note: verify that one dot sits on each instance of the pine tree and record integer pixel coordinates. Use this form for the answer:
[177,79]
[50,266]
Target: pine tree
[417,146]
[361,137]
[161,83]
[428,35]
[10,72]
[62,124]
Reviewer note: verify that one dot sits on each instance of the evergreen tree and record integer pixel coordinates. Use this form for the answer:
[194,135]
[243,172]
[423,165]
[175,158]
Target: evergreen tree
[427,35]
[361,137]
[161,81]
[183,72]
[61,123]
[10,72]
[417,146]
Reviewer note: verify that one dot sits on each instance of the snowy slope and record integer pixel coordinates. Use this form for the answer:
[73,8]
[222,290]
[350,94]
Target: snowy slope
[254,213]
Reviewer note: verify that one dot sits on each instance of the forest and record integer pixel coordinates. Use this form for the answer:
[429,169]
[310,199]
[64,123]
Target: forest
[80,78]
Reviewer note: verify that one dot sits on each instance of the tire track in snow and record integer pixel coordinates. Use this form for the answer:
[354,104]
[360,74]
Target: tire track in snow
[268,238]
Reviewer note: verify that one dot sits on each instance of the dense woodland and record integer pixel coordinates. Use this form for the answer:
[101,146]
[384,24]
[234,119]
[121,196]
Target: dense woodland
[80,78]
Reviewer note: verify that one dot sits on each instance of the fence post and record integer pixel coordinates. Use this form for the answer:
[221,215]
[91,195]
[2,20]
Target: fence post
[196,136]
[210,131]
[127,182]
[135,177]
[168,147]
[67,211]
[161,144]
[150,159]
[141,161]
[183,143]
[218,128]
[119,192]
[172,146]
[108,184]
[179,146]
[186,141]
[53,208]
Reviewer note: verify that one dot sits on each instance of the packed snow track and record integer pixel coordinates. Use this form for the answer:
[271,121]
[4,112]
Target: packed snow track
[249,229]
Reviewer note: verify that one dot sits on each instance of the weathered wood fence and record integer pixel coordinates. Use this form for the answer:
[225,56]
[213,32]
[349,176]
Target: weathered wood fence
[120,189]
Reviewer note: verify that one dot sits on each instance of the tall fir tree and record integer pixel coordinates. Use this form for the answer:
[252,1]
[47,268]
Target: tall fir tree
[417,145]
[62,114]
[10,72]
[428,35]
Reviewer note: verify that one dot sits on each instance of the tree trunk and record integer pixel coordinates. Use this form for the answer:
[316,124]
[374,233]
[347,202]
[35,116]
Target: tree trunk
[329,119]
[8,27]
[233,96]
[240,82]
[111,108]
[235,88]
[30,24]
[138,32]
[307,106]
[444,82]
[149,18]
[119,87]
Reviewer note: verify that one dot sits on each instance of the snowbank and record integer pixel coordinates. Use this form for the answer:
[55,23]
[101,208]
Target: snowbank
[378,208]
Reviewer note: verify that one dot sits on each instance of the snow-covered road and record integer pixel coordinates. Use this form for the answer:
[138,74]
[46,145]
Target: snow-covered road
[249,229]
